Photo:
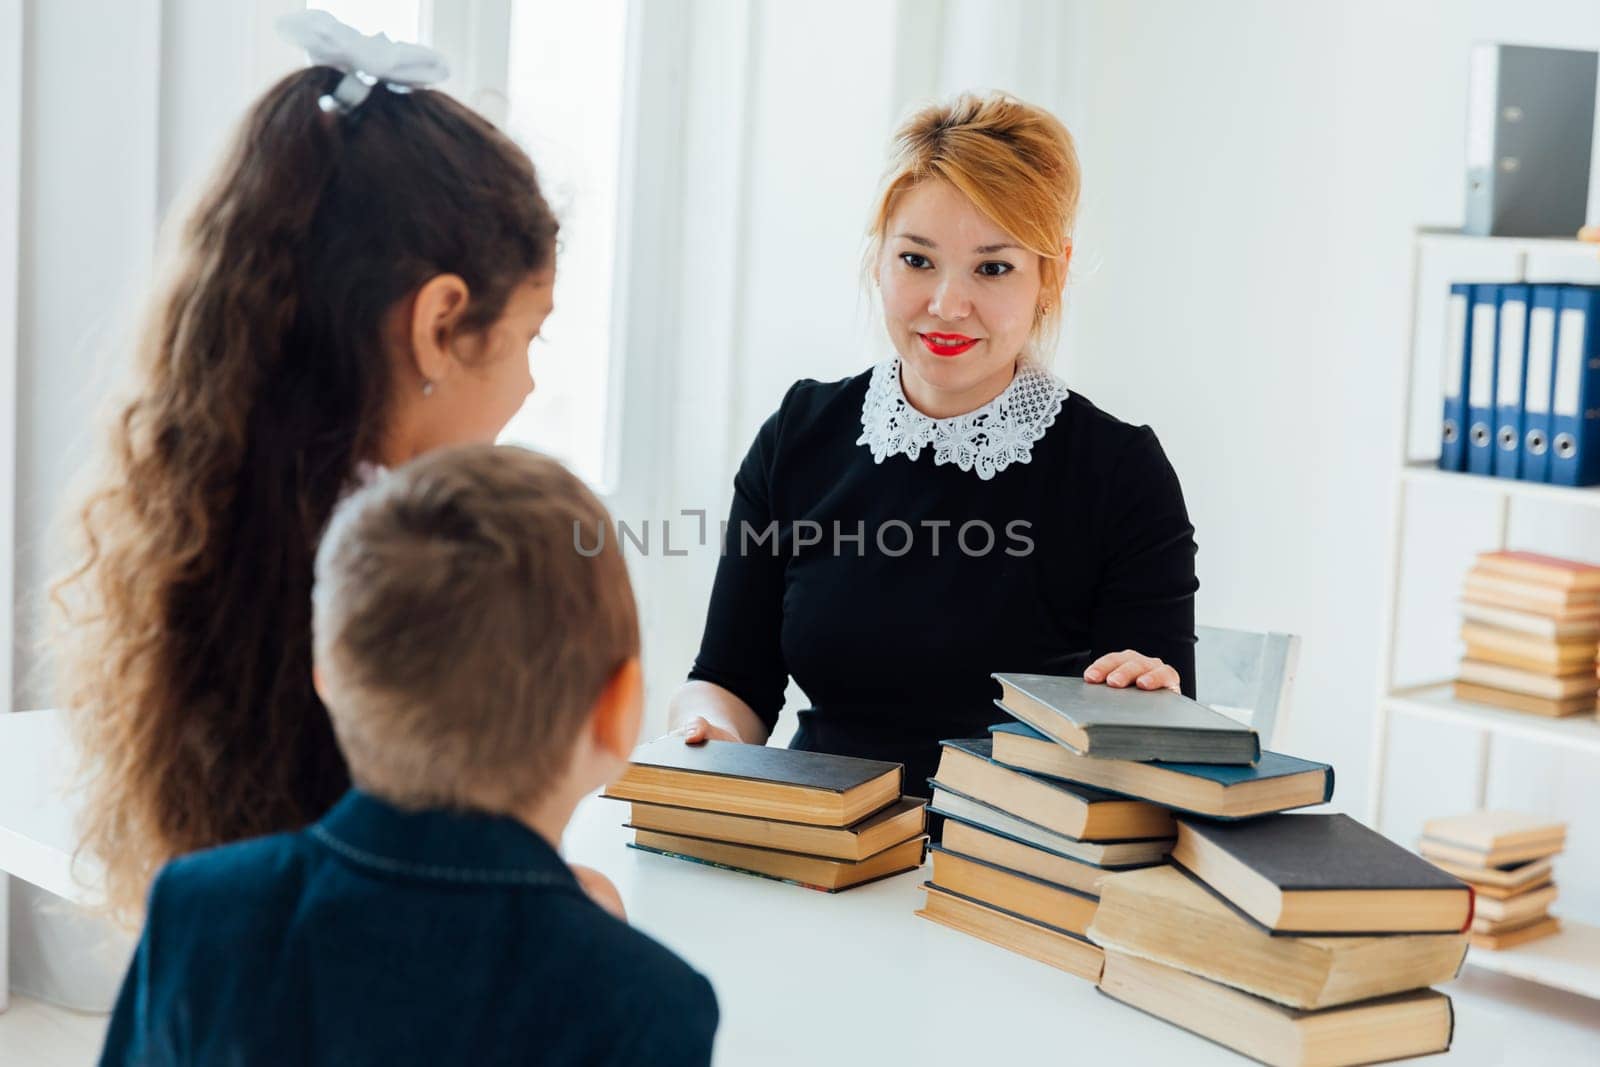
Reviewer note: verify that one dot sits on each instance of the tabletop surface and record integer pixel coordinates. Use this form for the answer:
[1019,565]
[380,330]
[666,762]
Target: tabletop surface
[805,977]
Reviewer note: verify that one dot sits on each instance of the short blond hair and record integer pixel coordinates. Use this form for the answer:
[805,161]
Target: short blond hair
[461,636]
[1014,161]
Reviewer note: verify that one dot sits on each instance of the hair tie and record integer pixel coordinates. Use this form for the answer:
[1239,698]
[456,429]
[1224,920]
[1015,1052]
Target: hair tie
[365,59]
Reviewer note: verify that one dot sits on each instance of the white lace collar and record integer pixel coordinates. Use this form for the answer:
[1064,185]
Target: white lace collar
[987,440]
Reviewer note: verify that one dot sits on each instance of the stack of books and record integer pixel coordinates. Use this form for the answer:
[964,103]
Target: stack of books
[1033,827]
[1505,857]
[1531,624]
[821,821]
[1022,855]
[1291,938]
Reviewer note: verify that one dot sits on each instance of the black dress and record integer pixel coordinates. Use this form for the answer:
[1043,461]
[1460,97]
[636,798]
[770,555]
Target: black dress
[891,591]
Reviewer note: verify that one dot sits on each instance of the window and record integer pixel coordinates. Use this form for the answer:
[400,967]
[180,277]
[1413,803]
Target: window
[565,94]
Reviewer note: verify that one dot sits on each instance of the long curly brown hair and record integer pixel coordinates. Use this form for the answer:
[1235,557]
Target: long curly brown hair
[261,381]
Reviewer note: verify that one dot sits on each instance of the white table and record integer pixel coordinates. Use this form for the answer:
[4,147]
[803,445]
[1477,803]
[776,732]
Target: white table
[811,978]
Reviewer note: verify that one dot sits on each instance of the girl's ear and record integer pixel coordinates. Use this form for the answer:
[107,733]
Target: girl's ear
[436,312]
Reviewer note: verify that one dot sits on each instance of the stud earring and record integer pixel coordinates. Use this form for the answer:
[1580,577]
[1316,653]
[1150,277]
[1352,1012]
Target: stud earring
[427,388]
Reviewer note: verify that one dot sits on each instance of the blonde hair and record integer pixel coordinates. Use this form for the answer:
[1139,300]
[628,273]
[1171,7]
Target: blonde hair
[461,635]
[1014,161]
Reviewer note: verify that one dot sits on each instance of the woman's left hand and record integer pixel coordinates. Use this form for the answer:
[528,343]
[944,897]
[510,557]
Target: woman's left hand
[1122,669]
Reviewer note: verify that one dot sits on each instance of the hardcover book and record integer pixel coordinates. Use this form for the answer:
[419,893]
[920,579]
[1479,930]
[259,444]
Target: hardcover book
[1540,569]
[1088,814]
[1109,854]
[1162,914]
[900,821]
[1058,948]
[1515,878]
[1132,724]
[1371,1031]
[1020,894]
[759,781]
[1581,683]
[1492,838]
[812,872]
[1002,851]
[1554,707]
[1220,791]
[1311,875]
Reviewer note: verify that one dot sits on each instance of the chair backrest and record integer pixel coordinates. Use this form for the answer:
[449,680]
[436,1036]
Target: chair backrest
[1246,675]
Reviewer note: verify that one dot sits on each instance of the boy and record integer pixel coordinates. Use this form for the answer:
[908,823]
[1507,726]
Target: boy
[483,677]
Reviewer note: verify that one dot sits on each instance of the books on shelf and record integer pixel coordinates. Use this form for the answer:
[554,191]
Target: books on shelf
[1531,622]
[1531,627]
[1413,1023]
[1321,874]
[1539,569]
[1506,857]
[1226,791]
[1496,839]
[1164,915]
[1494,941]
[817,820]
[1503,881]
[1135,724]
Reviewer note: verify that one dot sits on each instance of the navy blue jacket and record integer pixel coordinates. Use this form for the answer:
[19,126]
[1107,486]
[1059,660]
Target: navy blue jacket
[379,936]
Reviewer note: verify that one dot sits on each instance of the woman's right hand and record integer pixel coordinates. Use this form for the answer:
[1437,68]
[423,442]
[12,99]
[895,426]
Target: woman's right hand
[700,729]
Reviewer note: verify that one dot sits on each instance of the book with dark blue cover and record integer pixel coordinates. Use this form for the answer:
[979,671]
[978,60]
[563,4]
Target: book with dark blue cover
[1575,396]
[1276,782]
[1457,360]
[1511,361]
[1544,326]
[1481,378]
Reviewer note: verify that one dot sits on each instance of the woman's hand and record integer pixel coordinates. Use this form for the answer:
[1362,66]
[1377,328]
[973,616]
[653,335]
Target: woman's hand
[700,729]
[1122,669]
[600,890]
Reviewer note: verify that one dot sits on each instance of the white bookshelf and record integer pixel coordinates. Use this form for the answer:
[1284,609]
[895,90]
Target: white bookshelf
[1569,960]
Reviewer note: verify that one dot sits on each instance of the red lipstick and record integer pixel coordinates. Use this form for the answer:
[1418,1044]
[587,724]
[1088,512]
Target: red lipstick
[947,344]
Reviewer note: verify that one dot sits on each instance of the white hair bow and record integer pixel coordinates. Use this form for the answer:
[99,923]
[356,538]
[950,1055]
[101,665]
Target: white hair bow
[365,59]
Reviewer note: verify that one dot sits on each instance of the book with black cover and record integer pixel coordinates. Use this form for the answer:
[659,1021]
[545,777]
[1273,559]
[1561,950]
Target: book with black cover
[1321,875]
[1088,814]
[758,780]
[1131,724]
[1216,790]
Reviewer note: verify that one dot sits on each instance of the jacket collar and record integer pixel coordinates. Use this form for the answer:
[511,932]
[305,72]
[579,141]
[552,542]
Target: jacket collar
[441,846]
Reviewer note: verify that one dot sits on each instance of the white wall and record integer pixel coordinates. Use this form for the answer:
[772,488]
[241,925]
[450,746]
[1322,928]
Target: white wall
[124,103]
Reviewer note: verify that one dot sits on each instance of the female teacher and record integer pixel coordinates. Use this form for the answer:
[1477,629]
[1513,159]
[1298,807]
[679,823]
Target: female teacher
[956,510]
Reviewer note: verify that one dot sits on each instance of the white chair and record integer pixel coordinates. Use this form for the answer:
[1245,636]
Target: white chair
[1246,675]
